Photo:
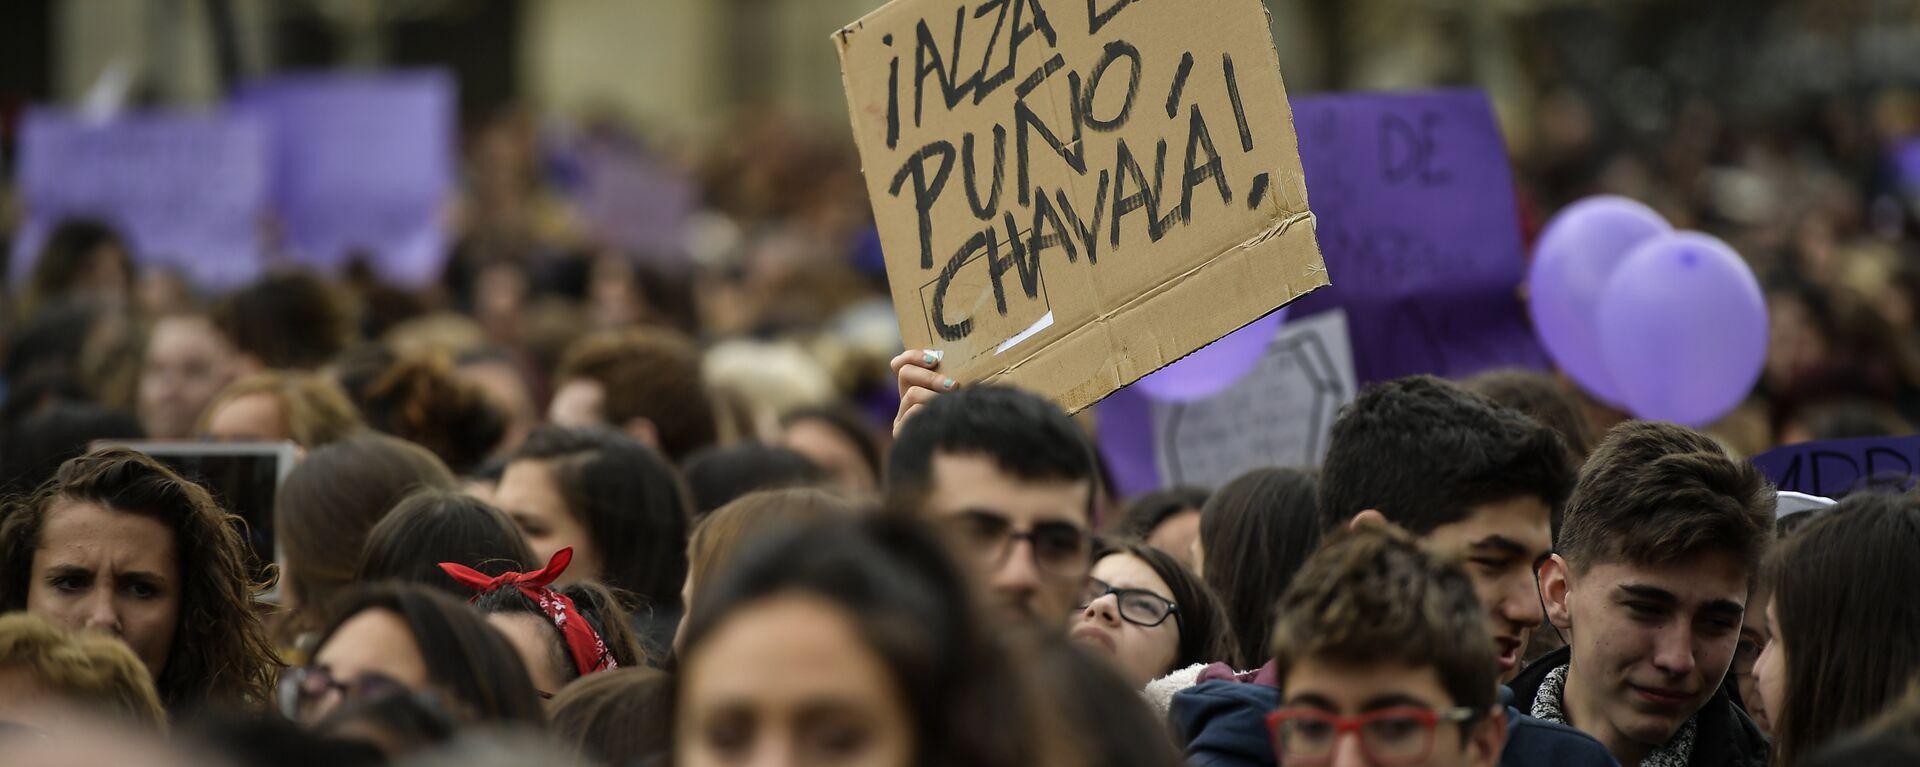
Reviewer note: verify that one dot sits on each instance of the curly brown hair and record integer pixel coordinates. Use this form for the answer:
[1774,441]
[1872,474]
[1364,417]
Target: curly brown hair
[220,655]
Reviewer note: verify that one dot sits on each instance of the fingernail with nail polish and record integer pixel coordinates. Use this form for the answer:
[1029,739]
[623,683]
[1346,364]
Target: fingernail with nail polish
[932,358]
[946,384]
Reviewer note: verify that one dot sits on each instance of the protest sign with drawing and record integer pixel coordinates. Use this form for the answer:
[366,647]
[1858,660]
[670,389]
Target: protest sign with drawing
[188,191]
[1070,196]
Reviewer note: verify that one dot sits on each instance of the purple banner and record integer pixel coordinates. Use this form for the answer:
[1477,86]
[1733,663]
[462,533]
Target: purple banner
[362,168]
[1415,213]
[187,191]
[1834,468]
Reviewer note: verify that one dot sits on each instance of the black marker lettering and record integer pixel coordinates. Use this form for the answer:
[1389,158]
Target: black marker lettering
[1089,234]
[1044,214]
[963,328]
[1199,139]
[925,192]
[1259,192]
[1179,84]
[1239,109]
[1026,122]
[984,212]
[1097,18]
[928,61]
[893,97]
[1124,166]
[1112,53]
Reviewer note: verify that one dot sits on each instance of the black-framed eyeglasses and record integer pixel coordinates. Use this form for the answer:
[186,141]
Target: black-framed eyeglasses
[1139,607]
[302,687]
[1059,549]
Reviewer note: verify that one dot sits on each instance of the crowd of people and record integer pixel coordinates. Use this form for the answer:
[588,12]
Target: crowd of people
[692,505]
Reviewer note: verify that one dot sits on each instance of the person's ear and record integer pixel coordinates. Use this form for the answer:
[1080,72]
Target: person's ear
[1368,518]
[643,429]
[1488,739]
[1555,588]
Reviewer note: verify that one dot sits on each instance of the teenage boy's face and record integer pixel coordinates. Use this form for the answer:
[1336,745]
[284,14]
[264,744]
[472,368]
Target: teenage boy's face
[1027,539]
[1498,544]
[1651,643]
[1313,685]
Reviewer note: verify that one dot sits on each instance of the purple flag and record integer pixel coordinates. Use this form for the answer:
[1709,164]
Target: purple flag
[1834,468]
[187,191]
[1415,213]
[363,165]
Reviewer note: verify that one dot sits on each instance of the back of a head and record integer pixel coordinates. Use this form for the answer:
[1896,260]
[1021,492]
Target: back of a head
[1373,597]
[1423,452]
[92,672]
[417,398]
[718,475]
[618,717]
[1255,533]
[893,579]
[596,603]
[1892,740]
[721,535]
[32,450]
[316,410]
[434,525]
[68,258]
[1852,636]
[1147,511]
[1107,722]
[1541,397]
[1655,493]
[286,321]
[331,501]
[630,499]
[1023,433]
[466,659]
[651,374]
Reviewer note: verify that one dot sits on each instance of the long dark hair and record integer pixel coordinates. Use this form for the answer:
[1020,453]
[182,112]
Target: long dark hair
[1851,633]
[1255,533]
[221,655]
[1204,634]
[433,526]
[911,606]
[631,501]
[591,601]
[466,658]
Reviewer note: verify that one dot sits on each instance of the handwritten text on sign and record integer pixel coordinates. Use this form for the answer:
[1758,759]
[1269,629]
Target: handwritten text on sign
[1039,169]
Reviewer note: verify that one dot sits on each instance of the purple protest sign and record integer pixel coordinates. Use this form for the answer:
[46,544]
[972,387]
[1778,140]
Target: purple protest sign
[1834,468]
[1414,208]
[187,191]
[362,166]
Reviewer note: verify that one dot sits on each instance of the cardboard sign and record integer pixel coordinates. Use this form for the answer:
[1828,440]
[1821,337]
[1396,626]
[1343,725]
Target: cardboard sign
[187,191]
[1417,220]
[1835,468]
[1071,195]
[1278,415]
[363,166]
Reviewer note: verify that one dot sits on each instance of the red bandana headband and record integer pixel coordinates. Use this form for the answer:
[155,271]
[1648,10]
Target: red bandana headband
[589,651]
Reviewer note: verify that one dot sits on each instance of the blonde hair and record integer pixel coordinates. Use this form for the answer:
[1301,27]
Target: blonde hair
[90,670]
[317,410]
[722,534]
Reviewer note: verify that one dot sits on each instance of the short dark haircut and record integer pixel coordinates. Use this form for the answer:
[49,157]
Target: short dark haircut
[1146,512]
[287,321]
[1373,596]
[718,475]
[1255,533]
[1656,492]
[1023,433]
[847,423]
[1541,397]
[631,501]
[653,374]
[1204,637]
[433,526]
[1852,635]
[33,449]
[465,657]
[67,256]
[618,717]
[1424,452]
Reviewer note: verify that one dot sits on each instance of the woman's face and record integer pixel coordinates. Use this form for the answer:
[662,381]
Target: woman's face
[789,681]
[1770,674]
[1140,653]
[375,643]
[537,643]
[187,364]
[98,569]
[530,494]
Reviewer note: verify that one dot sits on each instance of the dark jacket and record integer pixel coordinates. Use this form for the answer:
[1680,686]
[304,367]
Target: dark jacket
[1223,721]
[1726,738]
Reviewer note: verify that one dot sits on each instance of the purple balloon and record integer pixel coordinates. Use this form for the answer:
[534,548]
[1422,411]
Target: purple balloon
[1216,366]
[1683,328]
[1577,253]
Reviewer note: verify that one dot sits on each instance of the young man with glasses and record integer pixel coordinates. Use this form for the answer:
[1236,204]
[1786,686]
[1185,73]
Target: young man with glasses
[1011,477]
[1480,485]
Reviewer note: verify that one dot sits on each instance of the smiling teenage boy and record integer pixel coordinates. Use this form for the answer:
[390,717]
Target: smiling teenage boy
[1656,564]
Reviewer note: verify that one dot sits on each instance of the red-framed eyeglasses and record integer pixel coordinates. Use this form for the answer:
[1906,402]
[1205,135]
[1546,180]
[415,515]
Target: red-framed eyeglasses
[1393,737]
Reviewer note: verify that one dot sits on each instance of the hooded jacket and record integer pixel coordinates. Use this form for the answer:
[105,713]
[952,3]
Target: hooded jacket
[1223,722]
[1726,738]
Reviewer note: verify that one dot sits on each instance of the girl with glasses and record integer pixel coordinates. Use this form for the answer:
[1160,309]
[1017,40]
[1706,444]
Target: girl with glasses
[1148,614]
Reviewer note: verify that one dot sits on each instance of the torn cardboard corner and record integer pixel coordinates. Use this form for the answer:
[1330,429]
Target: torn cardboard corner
[1071,196]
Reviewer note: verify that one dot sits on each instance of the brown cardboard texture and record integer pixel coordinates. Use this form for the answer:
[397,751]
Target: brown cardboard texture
[1073,194]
